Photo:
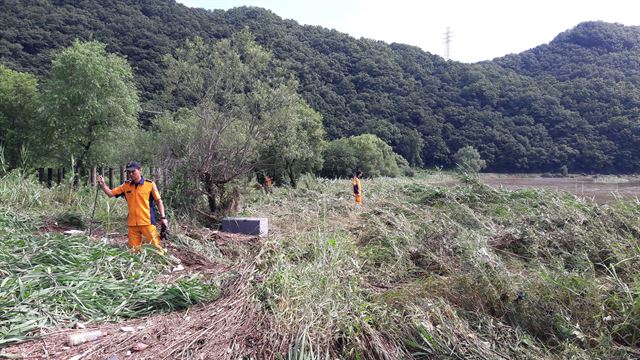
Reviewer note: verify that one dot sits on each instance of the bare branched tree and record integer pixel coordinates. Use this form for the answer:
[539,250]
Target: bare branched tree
[240,95]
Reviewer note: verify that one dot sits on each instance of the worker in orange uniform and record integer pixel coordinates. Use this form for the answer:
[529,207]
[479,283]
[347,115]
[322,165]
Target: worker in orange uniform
[268,182]
[357,188]
[140,194]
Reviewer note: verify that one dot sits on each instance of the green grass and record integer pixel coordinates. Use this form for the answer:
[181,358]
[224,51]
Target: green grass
[49,279]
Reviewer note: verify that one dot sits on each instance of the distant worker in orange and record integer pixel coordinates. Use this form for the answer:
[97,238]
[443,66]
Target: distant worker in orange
[268,182]
[357,188]
[141,194]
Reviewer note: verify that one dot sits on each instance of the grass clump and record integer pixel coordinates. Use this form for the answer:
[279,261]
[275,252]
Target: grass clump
[462,271]
[71,219]
[313,290]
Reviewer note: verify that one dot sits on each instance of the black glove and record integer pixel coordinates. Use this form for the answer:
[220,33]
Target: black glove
[164,232]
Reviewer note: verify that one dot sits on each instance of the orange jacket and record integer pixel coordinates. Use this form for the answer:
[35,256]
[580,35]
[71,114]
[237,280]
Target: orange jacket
[140,200]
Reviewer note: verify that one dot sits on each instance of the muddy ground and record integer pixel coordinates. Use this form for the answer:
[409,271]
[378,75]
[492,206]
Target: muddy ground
[598,188]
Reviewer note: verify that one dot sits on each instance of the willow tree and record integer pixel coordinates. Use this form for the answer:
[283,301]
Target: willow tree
[18,105]
[89,99]
[295,145]
[468,160]
[240,95]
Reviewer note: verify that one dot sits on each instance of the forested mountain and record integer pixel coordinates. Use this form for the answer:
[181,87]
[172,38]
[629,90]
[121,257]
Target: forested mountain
[595,68]
[574,102]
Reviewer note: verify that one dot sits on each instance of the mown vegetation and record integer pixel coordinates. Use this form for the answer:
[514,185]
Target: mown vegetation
[421,271]
[573,102]
[49,279]
[426,271]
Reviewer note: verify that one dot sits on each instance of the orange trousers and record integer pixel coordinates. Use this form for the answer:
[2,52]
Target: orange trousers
[150,234]
[358,199]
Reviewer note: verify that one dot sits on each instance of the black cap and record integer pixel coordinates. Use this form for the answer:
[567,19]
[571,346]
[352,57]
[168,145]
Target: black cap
[133,165]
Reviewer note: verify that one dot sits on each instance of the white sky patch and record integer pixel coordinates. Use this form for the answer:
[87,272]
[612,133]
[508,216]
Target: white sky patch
[480,29]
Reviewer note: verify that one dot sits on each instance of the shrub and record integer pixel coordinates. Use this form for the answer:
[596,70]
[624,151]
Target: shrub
[365,152]
[468,160]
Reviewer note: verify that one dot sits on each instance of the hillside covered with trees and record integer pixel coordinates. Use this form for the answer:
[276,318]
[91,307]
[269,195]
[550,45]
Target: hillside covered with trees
[573,102]
[217,104]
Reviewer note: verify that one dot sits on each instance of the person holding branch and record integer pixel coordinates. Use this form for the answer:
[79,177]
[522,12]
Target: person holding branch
[141,194]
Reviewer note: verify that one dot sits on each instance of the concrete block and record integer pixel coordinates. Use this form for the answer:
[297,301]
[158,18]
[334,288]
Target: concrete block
[245,225]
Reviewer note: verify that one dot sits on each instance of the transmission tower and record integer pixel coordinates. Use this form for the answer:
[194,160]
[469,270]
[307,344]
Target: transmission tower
[447,42]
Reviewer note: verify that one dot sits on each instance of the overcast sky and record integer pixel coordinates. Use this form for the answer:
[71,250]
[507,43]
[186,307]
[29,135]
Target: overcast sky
[480,29]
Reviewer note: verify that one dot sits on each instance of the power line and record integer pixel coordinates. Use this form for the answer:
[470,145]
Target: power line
[447,43]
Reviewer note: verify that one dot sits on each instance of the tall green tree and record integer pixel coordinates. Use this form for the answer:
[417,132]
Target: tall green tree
[18,111]
[534,111]
[295,144]
[241,95]
[89,100]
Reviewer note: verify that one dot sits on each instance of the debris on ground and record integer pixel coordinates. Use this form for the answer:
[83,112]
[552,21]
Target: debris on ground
[83,337]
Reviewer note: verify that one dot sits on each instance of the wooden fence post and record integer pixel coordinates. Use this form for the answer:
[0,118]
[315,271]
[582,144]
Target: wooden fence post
[41,177]
[78,178]
[49,176]
[122,178]
[92,176]
[59,175]
[111,178]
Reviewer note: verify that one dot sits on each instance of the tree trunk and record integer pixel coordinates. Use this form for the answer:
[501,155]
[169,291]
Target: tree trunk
[85,153]
[212,202]
[292,175]
[211,192]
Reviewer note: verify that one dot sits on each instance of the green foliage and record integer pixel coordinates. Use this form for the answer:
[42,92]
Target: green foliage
[464,272]
[89,99]
[19,101]
[71,218]
[564,171]
[169,136]
[468,160]
[627,331]
[573,102]
[367,153]
[294,145]
[243,101]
